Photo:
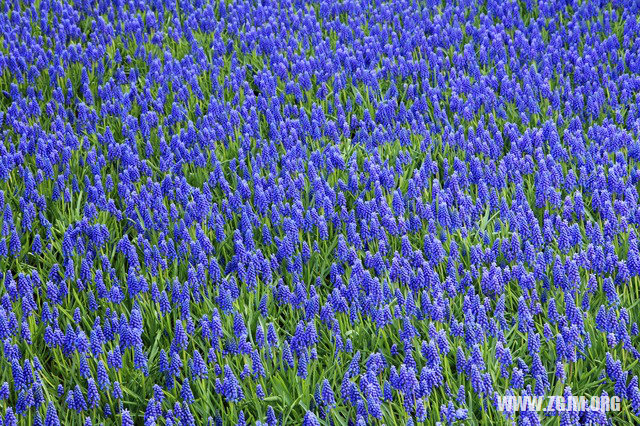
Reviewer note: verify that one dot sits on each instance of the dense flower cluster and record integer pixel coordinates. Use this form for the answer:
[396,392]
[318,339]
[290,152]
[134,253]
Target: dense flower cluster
[317,212]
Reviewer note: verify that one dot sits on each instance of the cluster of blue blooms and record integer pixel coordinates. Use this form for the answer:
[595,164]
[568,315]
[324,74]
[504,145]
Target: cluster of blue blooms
[322,212]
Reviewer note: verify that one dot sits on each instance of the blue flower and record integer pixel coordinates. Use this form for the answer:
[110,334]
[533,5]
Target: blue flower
[126,418]
[310,419]
[51,418]
[93,393]
[185,392]
[117,391]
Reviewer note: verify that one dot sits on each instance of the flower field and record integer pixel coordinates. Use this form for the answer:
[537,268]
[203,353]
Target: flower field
[329,212]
